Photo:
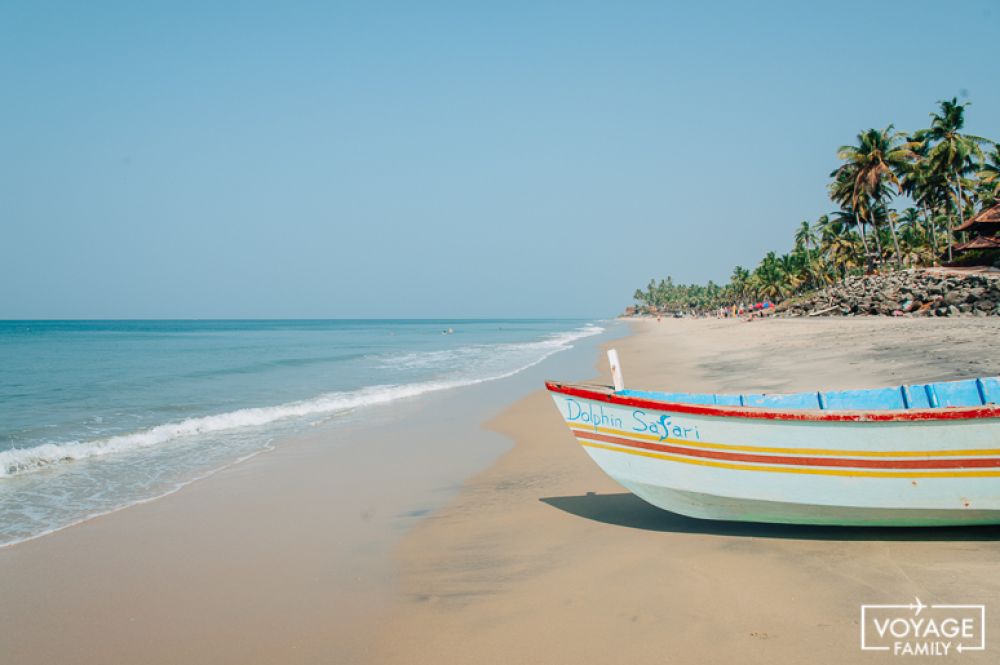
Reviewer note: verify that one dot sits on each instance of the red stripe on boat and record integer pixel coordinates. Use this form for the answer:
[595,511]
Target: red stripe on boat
[941,413]
[973,463]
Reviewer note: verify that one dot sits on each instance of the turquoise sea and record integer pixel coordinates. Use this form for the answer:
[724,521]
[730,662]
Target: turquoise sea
[97,415]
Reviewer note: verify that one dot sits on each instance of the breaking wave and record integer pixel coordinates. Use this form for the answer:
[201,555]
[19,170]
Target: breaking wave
[472,359]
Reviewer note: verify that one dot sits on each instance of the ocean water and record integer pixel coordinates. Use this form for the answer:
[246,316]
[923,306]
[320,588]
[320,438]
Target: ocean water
[97,415]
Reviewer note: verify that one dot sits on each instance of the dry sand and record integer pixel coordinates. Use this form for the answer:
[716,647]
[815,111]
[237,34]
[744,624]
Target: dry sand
[543,559]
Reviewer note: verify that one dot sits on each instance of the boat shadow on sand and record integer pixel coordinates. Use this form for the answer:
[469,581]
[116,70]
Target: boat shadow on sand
[628,510]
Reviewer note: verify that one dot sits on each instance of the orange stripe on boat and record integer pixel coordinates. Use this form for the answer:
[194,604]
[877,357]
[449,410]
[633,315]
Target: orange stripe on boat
[797,469]
[968,463]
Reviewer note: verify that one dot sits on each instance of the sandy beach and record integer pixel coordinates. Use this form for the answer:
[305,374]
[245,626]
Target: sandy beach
[537,558]
[543,559]
[284,558]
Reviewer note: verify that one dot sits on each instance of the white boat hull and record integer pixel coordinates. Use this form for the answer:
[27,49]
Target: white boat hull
[905,472]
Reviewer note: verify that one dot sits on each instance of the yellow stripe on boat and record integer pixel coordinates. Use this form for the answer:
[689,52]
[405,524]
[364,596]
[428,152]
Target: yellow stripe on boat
[972,473]
[818,452]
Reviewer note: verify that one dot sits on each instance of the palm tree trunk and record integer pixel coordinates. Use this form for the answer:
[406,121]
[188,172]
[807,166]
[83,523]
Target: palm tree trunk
[864,242]
[930,227]
[895,244]
[878,243]
[951,226]
[812,268]
[961,200]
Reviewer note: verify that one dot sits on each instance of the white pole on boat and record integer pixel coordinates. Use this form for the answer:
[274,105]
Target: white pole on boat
[616,370]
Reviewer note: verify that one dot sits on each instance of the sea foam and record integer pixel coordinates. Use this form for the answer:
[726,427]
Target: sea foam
[474,360]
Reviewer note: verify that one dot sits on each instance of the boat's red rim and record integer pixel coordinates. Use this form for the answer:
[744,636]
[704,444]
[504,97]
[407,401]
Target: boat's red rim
[605,394]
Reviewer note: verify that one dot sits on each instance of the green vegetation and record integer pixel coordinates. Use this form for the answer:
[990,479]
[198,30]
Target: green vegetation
[939,177]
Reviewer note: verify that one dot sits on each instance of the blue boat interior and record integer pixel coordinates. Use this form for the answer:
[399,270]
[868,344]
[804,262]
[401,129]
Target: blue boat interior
[970,392]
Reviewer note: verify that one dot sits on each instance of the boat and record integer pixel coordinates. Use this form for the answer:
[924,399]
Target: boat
[909,455]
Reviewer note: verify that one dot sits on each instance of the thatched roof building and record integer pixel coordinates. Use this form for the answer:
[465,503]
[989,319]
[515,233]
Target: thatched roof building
[983,244]
[986,223]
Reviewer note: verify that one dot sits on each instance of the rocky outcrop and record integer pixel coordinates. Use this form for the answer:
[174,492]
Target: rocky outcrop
[904,293]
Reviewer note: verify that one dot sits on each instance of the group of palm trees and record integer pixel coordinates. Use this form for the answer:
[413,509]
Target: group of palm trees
[940,174]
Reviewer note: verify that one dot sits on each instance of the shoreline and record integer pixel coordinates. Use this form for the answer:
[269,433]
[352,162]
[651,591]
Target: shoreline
[138,502]
[53,476]
[281,558]
[542,558]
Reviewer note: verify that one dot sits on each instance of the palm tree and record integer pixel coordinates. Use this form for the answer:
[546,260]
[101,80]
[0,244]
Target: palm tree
[870,167]
[950,153]
[842,193]
[805,240]
[770,279]
[640,297]
[651,293]
[883,221]
[914,237]
[989,177]
[926,188]
[738,281]
[838,244]
[805,237]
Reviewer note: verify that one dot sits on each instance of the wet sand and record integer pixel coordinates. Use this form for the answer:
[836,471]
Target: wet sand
[543,559]
[284,558]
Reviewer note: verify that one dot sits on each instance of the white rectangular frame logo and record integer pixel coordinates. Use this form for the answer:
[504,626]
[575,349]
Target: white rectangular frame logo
[917,607]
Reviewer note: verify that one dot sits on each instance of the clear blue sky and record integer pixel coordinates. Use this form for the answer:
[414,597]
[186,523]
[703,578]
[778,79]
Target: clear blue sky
[335,159]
